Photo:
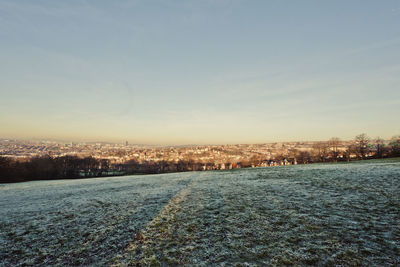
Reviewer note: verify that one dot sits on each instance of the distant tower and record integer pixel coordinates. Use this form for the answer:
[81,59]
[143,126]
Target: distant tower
[126,143]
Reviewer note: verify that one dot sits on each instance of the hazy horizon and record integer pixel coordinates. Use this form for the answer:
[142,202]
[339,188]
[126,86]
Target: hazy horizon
[199,72]
[123,142]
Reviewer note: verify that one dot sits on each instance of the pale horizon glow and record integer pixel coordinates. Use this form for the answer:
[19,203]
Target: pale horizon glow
[199,72]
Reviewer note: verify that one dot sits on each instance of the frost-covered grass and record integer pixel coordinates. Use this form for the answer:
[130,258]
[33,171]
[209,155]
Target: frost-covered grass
[320,214]
[79,222]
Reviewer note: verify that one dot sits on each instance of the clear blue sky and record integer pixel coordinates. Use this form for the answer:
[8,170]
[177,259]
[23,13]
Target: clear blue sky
[178,72]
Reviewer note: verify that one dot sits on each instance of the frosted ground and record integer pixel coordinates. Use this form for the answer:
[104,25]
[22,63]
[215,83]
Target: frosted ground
[320,214]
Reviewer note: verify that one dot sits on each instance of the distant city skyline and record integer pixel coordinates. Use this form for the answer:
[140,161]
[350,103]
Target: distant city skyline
[153,144]
[199,72]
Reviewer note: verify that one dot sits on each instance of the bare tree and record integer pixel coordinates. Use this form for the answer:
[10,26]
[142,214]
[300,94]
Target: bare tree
[362,141]
[350,149]
[379,147]
[293,153]
[395,146]
[320,151]
[303,157]
[334,144]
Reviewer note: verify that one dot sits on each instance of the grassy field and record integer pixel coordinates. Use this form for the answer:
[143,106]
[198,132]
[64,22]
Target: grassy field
[320,214]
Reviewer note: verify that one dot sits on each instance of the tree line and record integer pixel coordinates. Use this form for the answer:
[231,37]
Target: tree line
[69,167]
[334,150]
[48,168]
[362,147]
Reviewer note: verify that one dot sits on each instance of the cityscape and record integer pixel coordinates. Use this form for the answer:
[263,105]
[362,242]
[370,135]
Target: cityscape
[223,156]
[125,158]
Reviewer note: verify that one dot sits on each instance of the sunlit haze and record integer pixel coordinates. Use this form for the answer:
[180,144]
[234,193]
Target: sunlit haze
[199,72]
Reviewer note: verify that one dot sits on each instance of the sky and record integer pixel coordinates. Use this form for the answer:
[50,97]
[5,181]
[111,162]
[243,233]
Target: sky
[199,72]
